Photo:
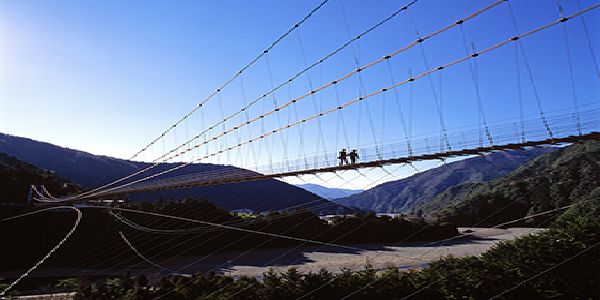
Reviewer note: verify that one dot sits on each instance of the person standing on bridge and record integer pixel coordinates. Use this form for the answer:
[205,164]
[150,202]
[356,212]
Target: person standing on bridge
[353,156]
[343,157]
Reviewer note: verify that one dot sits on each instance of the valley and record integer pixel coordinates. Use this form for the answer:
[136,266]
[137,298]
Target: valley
[307,150]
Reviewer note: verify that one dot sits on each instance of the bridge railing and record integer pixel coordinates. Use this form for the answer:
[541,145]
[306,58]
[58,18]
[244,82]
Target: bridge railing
[562,124]
[467,138]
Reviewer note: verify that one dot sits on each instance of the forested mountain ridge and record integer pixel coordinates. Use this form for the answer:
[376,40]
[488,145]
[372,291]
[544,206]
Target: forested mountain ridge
[402,196]
[568,175]
[90,170]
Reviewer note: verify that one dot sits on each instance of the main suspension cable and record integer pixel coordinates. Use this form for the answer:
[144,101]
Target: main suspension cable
[426,73]
[246,107]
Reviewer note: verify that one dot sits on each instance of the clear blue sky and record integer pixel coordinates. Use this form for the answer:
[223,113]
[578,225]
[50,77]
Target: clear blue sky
[108,76]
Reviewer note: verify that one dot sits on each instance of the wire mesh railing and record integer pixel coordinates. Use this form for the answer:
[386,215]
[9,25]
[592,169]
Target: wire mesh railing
[465,141]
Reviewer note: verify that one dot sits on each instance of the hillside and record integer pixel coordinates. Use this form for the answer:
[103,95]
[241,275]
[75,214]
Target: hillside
[402,196]
[569,175]
[328,193]
[16,176]
[90,170]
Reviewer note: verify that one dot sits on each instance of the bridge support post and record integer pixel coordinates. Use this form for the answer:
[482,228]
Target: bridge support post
[29,192]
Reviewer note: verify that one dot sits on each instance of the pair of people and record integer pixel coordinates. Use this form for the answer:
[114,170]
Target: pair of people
[343,157]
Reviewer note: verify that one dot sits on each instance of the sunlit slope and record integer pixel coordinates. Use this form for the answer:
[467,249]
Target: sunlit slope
[568,175]
[403,196]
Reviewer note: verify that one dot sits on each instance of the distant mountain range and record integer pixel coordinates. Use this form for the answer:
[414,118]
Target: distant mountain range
[328,193]
[412,193]
[90,170]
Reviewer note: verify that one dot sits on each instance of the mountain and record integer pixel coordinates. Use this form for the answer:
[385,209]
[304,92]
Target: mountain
[16,176]
[402,196]
[328,193]
[90,170]
[568,175]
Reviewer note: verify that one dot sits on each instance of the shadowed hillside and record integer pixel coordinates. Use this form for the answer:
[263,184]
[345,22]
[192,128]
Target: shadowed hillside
[90,170]
[16,176]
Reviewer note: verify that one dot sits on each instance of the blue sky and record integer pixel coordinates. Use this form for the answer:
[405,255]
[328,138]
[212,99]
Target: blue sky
[109,76]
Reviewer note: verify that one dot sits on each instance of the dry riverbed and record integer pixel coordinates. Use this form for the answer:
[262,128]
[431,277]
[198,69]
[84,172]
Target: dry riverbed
[314,258]
[307,258]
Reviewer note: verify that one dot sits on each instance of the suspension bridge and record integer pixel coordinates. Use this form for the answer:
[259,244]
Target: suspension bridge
[260,140]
